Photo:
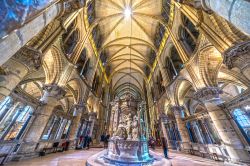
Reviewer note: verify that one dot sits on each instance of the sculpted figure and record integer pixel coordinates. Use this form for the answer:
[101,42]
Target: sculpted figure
[135,130]
[121,132]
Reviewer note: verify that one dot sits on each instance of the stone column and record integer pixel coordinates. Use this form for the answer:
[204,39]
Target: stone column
[238,56]
[181,127]
[211,99]
[92,119]
[164,119]
[78,109]
[236,12]
[52,93]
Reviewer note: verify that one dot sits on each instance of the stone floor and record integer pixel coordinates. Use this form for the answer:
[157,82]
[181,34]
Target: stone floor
[78,158]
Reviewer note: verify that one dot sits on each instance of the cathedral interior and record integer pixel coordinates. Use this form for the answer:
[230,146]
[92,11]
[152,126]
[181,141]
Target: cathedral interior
[175,69]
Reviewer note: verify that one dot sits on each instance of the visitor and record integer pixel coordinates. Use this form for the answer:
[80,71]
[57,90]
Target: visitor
[85,141]
[102,140]
[106,141]
[165,147]
[89,140]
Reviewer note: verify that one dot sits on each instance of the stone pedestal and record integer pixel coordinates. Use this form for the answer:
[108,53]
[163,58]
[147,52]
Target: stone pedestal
[233,145]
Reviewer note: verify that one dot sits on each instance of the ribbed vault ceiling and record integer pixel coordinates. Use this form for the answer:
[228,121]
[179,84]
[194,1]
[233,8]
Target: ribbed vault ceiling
[128,40]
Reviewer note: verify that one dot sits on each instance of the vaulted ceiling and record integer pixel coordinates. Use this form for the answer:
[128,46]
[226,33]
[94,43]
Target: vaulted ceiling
[128,40]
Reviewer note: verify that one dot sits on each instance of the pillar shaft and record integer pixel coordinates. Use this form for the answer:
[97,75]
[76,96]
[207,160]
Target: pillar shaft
[75,124]
[181,127]
[92,119]
[52,94]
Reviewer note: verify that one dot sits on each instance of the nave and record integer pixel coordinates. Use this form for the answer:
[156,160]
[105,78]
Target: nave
[127,75]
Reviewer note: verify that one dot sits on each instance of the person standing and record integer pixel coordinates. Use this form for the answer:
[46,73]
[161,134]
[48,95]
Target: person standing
[164,146]
[85,141]
[89,140]
[102,140]
[106,141]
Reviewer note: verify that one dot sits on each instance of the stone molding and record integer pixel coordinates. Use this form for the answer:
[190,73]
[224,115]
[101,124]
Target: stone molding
[92,115]
[208,93]
[164,117]
[177,110]
[52,90]
[77,109]
[237,56]
[29,56]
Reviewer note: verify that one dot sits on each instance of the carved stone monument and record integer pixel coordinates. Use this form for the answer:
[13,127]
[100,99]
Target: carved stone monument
[128,145]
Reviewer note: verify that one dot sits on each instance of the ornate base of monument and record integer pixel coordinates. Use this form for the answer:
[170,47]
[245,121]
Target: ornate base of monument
[99,160]
[127,152]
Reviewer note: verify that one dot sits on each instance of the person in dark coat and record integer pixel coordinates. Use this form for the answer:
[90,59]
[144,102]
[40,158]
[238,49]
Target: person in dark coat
[89,140]
[85,141]
[106,141]
[103,137]
[165,147]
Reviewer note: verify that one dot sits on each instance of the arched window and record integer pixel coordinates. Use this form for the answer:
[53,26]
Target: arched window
[170,68]
[82,61]
[85,68]
[188,35]
[242,119]
[4,106]
[70,39]
[176,60]
[91,11]
[48,129]
[165,12]
[14,119]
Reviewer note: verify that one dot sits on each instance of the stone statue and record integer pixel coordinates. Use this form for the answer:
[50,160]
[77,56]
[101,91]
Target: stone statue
[121,132]
[135,130]
[129,125]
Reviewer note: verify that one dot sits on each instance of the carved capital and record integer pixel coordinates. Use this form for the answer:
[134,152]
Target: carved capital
[29,56]
[78,106]
[177,110]
[54,91]
[77,109]
[208,93]
[237,56]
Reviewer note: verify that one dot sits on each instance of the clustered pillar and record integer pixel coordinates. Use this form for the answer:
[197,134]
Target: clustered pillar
[52,93]
[78,109]
[177,110]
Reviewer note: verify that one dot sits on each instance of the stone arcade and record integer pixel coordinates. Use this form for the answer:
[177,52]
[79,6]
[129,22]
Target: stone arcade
[136,70]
